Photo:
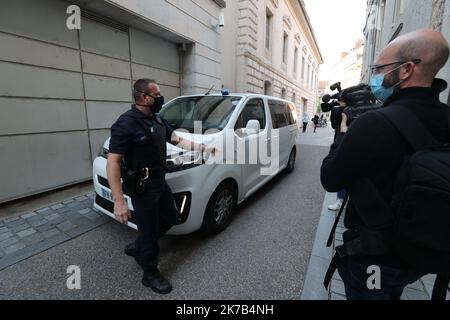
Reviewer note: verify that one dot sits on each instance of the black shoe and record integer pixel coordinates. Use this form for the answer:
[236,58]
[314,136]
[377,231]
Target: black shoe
[132,251]
[156,282]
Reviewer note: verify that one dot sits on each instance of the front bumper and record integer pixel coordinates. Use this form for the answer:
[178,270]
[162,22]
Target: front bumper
[182,202]
[190,196]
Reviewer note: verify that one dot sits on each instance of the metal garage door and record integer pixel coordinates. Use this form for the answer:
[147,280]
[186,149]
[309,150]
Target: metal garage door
[60,90]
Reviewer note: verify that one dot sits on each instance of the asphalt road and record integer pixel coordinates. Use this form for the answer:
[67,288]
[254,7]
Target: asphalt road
[264,253]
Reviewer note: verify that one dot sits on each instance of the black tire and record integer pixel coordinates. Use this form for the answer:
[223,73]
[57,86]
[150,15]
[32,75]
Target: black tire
[291,162]
[221,207]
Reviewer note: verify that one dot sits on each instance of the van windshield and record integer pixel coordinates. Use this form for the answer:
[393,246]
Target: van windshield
[213,112]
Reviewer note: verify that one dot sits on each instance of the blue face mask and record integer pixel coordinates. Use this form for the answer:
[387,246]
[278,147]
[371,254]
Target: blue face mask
[379,90]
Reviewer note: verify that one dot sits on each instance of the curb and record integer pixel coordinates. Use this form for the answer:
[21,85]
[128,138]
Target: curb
[313,288]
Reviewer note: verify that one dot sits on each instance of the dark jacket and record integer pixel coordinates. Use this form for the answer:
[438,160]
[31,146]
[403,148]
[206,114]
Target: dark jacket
[142,140]
[365,160]
[316,120]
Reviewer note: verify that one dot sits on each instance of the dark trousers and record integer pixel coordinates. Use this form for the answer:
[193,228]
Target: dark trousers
[155,215]
[394,278]
[305,126]
[342,194]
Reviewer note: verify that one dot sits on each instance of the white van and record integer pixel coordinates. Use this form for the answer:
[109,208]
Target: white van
[207,194]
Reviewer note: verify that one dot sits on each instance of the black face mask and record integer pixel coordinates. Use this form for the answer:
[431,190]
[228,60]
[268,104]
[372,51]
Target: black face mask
[158,104]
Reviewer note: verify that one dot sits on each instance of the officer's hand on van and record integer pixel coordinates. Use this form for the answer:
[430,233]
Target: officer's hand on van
[122,212]
[210,150]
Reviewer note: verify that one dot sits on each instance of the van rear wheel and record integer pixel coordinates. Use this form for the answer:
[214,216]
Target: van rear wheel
[220,209]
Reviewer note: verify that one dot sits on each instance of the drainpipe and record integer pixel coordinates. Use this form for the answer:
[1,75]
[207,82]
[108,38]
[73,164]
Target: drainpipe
[181,49]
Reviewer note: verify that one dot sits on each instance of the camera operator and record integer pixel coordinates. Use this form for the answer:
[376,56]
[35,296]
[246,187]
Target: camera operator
[336,118]
[366,157]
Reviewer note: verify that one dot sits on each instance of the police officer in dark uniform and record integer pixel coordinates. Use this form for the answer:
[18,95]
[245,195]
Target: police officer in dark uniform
[139,139]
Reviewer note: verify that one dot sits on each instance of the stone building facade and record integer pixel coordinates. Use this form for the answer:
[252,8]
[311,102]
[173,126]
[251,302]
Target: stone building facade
[270,48]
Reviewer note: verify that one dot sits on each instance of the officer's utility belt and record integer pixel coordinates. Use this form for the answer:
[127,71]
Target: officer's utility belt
[133,181]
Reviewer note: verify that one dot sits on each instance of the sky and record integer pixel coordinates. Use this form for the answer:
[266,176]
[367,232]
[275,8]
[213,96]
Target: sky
[337,25]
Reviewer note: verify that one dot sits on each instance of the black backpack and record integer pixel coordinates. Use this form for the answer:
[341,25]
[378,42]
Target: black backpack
[420,205]
[421,201]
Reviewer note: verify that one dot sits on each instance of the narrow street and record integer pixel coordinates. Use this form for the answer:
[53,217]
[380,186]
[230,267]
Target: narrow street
[264,253]
[100,98]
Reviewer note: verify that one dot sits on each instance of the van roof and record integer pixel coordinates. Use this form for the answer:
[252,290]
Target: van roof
[236,95]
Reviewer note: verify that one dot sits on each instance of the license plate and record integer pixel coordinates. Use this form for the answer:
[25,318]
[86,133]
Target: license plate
[107,195]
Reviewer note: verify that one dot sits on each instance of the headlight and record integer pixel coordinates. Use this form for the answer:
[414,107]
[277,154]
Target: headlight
[103,152]
[184,161]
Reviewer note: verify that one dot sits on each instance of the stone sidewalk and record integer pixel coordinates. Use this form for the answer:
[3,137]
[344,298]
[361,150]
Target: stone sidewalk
[321,256]
[34,232]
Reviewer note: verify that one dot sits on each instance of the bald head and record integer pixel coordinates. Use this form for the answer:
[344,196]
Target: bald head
[428,45]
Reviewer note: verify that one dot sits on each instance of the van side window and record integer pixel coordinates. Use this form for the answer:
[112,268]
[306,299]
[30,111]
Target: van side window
[253,110]
[278,113]
[291,114]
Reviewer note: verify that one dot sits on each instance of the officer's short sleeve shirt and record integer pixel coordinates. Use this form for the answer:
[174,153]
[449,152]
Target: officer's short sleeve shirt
[121,135]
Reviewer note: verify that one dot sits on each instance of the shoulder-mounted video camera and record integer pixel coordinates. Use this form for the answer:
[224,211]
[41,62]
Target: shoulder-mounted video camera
[353,101]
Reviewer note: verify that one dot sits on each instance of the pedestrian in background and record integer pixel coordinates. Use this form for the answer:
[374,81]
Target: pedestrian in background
[316,122]
[305,122]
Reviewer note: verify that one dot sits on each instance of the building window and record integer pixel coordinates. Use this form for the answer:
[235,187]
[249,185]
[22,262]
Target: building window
[303,68]
[267,88]
[294,98]
[295,61]
[308,74]
[269,19]
[285,47]
[400,8]
[304,106]
[283,93]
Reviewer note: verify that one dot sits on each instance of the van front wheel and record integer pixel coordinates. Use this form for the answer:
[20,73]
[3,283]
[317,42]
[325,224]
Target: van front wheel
[220,209]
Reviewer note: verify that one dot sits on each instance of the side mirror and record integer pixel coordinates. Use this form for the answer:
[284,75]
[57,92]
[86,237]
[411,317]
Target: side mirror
[253,127]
